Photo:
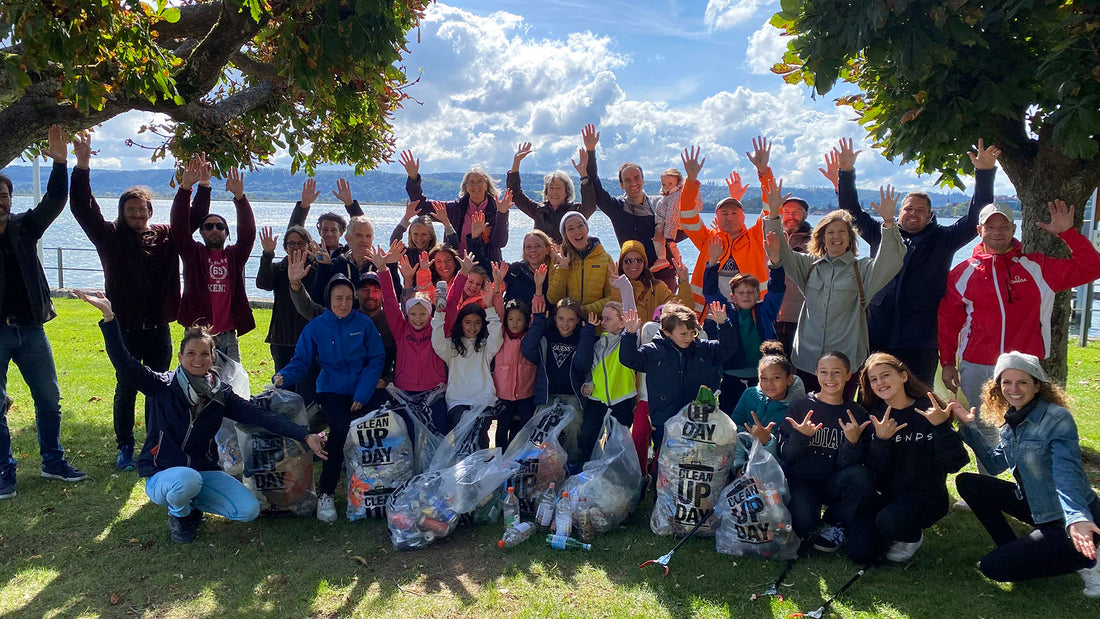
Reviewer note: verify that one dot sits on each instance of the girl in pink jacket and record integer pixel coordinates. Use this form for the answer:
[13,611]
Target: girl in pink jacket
[514,375]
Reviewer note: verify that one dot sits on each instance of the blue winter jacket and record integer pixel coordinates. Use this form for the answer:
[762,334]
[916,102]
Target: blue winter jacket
[764,313]
[1044,454]
[533,348]
[349,351]
[173,437]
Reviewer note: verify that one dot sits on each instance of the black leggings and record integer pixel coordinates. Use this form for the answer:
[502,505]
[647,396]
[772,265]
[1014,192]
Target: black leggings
[337,409]
[887,519]
[511,417]
[845,493]
[1046,551]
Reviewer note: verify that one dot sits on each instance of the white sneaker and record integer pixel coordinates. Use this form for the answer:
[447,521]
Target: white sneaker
[961,506]
[326,509]
[903,551]
[1091,576]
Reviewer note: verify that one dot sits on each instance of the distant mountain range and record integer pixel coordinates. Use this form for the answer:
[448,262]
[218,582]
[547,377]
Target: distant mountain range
[279,185]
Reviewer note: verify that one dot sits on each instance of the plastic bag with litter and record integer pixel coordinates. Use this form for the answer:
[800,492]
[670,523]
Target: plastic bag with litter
[608,488]
[378,455]
[753,519]
[539,453]
[278,470]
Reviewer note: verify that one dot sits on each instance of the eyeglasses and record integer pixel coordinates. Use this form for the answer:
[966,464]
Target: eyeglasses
[633,260]
[216,225]
[296,243]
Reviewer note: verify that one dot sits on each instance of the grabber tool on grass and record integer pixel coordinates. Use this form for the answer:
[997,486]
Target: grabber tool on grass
[817,614]
[774,589]
[665,558]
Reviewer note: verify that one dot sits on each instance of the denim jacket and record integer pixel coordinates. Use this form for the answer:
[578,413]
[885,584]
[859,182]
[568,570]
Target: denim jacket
[1044,454]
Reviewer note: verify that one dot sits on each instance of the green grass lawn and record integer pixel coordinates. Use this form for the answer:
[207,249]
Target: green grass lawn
[100,548]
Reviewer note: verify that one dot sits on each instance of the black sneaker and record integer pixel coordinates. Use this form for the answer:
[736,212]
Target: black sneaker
[7,483]
[195,517]
[829,539]
[182,529]
[62,470]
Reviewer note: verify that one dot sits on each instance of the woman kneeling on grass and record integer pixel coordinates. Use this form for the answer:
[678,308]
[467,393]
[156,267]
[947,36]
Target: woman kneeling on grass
[1052,493]
[184,411]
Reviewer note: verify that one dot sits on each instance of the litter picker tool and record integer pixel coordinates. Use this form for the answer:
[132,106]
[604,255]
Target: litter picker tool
[665,558]
[817,614]
[774,589]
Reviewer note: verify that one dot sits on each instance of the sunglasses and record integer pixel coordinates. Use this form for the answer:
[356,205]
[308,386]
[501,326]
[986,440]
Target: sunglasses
[633,260]
[213,226]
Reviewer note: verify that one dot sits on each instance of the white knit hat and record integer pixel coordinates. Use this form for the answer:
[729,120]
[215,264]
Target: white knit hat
[1020,361]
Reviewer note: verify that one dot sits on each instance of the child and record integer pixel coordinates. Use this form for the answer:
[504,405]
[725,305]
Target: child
[468,287]
[675,363]
[611,385]
[474,340]
[514,375]
[912,451]
[822,455]
[563,352]
[346,345]
[666,215]
[753,317]
[762,408]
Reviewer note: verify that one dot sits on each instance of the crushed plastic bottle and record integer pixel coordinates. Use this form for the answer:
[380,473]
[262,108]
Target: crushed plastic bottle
[563,516]
[511,508]
[514,536]
[544,515]
[564,542]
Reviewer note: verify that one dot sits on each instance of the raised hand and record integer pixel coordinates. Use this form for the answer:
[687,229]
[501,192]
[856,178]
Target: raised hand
[505,202]
[267,240]
[466,262]
[309,193]
[1061,218]
[57,144]
[425,261]
[590,136]
[887,427]
[343,191]
[617,280]
[961,413]
[831,170]
[98,301]
[716,250]
[806,427]
[206,170]
[937,414]
[559,258]
[846,156]
[692,162]
[500,271]
[540,278]
[234,183]
[522,151]
[581,163]
[772,245]
[411,207]
[377,256]
[439,213]
[984,158]
[82,148]
[411,165]
[736,189]
[191,173]
[852,430]
[759,431]
[297,267]
[593,319]
[718,311]
[762,152]
[775,198]
[397,251]
[477,224]
[887,204]
[631,320]
[407,270]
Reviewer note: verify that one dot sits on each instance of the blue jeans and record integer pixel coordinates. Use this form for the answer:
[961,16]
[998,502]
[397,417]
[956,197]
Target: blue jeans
[28,347]
[180,488]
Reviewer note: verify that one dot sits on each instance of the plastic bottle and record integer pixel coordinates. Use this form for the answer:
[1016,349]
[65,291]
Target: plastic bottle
[564,542]
[511,508]
[441,286]
[563,516]
[545,512]
[514,536]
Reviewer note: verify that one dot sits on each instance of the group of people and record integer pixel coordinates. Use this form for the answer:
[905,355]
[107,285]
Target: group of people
[784,320]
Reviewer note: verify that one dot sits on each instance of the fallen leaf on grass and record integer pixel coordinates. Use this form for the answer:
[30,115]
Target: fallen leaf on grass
[699,576]
[95,398]
[115,599]
[360,560]
[36,557]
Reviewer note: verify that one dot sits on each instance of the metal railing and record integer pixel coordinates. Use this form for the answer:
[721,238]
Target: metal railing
[60,266]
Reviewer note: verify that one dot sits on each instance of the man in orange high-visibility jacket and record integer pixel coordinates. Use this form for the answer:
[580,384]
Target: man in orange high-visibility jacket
[743,248]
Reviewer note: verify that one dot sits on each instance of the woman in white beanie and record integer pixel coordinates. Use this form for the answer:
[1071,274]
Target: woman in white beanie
[580,268]
[1052,493]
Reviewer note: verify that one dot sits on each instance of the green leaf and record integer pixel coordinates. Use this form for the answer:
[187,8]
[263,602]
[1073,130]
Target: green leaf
[170,15]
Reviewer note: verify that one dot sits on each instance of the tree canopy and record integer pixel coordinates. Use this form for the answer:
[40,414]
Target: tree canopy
[238,79]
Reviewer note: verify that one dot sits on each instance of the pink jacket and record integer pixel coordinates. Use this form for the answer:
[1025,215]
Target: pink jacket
[418,367]
[513,374]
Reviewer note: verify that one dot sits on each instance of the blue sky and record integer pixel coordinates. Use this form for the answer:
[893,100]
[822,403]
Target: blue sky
[653,76]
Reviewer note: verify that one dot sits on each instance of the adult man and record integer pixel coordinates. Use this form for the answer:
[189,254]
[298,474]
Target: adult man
[743,247]
[902,315]
[1000,299]
[355,260]
[213,273]
[140,272]
[24,307]
[793,212]
[330,226]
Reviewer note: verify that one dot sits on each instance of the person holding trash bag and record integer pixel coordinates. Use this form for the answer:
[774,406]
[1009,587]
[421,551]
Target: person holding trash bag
[347,346]
[1052,493]
[186,408]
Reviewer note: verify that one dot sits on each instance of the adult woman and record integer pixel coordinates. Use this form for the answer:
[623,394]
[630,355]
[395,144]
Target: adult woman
[1039,444]
[520,281]
[649,292]
[912,451]
[838,286]
[286,322]
[184,411]
[557,193]
[581,267]
[477,195]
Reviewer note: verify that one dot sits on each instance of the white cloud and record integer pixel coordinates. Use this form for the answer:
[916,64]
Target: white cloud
[766,47]
[726,14]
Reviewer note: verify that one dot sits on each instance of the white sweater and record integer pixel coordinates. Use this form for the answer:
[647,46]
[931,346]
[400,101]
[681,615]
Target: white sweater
[469,378]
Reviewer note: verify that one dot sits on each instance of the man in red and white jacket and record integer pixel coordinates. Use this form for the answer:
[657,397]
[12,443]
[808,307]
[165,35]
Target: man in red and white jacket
[1000,300]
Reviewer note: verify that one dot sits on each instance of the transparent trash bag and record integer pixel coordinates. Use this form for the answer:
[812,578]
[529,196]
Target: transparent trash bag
[429,505]
[753,519]
[426,439]
[378,457]
[538,451]
[278,470]
[693,466]
[464,439]
[233,374]
[229,448]
[608,488]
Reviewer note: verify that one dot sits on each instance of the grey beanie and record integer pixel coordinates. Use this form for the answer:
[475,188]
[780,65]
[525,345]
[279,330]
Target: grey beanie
[1020,361]
[566,217]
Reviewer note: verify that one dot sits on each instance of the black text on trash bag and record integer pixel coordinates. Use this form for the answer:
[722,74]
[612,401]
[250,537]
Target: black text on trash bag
[428,506]
[379,457]
[539,453]
[606,491]
[464,439]
[753,519]
[278,470]
[693,466]
[418,407]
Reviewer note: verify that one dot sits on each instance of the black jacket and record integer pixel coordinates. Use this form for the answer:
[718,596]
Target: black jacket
[23,232]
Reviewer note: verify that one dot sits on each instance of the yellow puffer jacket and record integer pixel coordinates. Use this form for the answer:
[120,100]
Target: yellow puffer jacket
[586,279]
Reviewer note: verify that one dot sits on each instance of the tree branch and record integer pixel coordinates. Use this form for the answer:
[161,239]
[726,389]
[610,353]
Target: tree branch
[218,114]
[204,66]
[253,67]
[195,21]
